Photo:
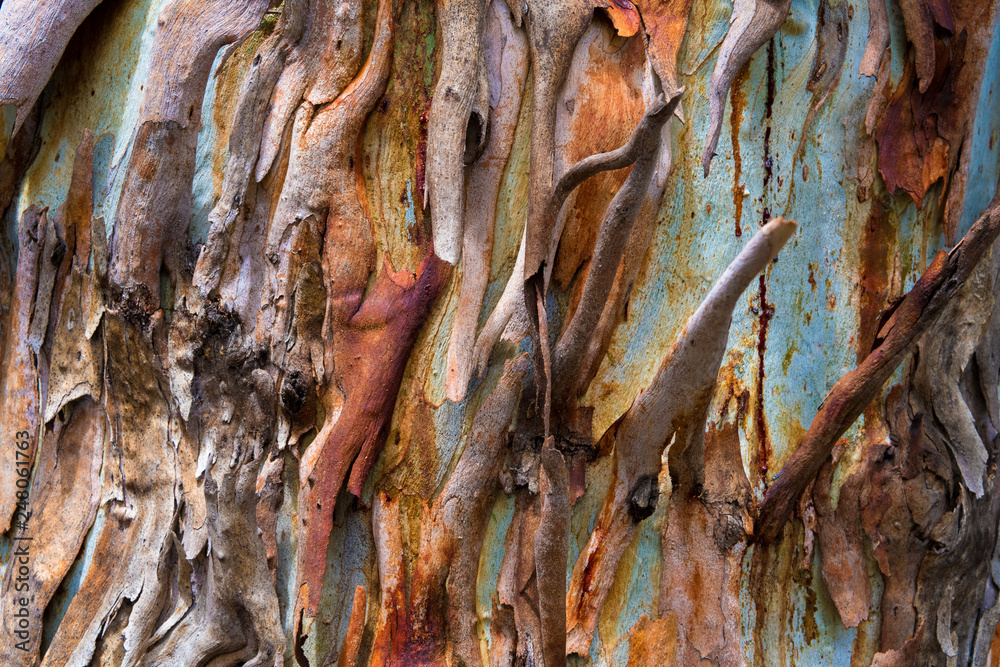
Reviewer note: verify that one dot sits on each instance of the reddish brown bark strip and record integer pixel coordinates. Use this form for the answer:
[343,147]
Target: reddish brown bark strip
[852,393]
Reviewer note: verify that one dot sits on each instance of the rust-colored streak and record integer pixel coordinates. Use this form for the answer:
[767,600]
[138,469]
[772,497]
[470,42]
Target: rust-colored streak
[764,312]
[356,626]
[737,99]
[853,392]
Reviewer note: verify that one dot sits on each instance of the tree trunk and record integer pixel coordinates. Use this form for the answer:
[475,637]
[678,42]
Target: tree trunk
[391,332]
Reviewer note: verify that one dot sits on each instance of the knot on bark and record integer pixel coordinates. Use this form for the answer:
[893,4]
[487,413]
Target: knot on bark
[643,497]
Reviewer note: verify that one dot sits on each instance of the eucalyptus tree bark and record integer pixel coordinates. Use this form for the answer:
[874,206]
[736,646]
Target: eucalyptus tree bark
[398,332]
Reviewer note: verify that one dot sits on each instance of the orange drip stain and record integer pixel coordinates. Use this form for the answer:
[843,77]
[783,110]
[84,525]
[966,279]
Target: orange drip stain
[738,101]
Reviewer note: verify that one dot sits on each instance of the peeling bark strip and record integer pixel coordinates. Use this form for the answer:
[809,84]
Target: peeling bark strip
[154,209]
[852,393]
[367,342]
[506,53]
[752,24]
[660,413]
[615,230]
[34,37]
[453,125]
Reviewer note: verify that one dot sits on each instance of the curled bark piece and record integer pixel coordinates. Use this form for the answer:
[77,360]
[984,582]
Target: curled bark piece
[616,227]
[321,186]
[657,414]
[878,38]
[451,119]
[752,24]
[154,208]
[18,155]
[918,310]
[270,491]
[506,52]
[551,552]
[832,28]
[33,36]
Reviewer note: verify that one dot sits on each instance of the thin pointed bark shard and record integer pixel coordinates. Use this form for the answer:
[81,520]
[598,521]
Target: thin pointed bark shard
[878,38]
[643,432]
[551,553]
[451,109]
[752,24]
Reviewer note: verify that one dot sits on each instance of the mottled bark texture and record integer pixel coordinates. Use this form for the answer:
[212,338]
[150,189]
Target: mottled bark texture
[396,333]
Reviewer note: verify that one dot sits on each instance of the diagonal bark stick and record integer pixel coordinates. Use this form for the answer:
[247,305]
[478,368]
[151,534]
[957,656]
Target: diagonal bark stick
[853,392]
